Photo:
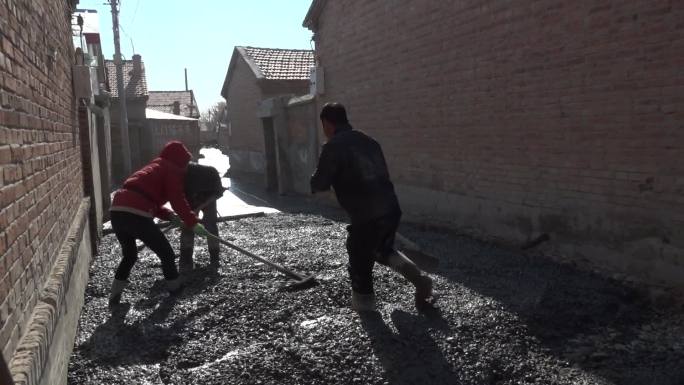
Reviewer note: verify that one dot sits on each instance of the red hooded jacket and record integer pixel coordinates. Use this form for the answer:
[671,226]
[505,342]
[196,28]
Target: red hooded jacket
[146,191]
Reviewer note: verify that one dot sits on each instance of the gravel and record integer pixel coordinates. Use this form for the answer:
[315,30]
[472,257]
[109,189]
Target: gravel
[505,317]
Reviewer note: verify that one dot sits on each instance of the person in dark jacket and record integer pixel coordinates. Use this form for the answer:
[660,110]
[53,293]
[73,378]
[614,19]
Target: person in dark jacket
[202,188]
[142,198]
[354,165]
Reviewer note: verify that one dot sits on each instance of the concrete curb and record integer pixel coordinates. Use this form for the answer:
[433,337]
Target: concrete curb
[33,353]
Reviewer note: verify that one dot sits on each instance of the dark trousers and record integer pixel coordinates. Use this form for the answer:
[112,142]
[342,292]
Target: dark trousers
[128,227]
[367,243]
[187,242]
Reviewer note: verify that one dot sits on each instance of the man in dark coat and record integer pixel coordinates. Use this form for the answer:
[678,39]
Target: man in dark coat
[354,165]
[202,188]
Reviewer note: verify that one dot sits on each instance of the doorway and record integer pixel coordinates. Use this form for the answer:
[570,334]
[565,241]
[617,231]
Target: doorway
[271,156]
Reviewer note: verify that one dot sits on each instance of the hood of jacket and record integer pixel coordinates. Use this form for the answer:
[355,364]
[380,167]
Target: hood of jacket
[177,153]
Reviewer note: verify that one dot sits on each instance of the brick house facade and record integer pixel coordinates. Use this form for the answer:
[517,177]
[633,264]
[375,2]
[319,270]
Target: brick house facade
[181,103]
[44,233]
[255,74]
[517,119]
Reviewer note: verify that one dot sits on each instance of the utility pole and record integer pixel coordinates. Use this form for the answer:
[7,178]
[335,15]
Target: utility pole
[192,106]
[123,117]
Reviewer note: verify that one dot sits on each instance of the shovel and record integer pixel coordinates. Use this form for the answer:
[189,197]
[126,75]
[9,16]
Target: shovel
[301,281]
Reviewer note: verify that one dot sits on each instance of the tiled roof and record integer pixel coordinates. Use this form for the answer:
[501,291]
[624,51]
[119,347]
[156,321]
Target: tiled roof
[135,82]
[163,101]
[281,64]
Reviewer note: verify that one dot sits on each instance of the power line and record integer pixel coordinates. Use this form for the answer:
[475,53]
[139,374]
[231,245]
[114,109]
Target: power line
[128,36]
[135,13]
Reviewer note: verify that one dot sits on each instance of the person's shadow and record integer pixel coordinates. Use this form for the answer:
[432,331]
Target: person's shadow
[146,340]
[411,356]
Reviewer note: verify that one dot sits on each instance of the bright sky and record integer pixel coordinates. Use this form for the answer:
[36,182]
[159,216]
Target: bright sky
[171,35]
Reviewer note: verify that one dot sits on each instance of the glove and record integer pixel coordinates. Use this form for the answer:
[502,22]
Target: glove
[175,220]
[200,230]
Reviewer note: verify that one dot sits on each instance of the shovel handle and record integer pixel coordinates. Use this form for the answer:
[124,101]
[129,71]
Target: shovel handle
[274,265]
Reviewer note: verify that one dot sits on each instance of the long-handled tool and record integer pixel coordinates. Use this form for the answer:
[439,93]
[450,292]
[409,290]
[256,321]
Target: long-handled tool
[301,281]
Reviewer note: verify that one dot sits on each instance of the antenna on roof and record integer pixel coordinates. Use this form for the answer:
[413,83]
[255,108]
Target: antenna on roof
[132,46]
[186,79]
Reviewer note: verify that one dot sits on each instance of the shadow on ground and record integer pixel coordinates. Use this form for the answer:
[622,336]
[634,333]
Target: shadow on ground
[593,322]
[410,356]
[110,342]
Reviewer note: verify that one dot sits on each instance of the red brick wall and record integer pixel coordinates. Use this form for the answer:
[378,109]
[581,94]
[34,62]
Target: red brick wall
[40,160]
[524,117]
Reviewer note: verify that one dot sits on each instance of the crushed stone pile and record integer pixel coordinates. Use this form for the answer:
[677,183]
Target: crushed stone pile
[505,318]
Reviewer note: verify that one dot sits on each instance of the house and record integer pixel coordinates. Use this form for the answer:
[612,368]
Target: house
[174,102]
[255,74]
[135,85]
[45,237]
[154,118]
[173,115]
[520,120]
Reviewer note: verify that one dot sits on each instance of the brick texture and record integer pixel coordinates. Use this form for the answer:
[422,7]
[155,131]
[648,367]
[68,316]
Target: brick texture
[243,97]
[40,159]
[561,117]
[160,132]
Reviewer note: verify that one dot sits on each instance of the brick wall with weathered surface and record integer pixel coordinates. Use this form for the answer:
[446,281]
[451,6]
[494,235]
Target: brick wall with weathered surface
[41,184]
[159,132]
[243,138]
[92,183]
[302,145]
[104,144]
[521,118]
[272,88]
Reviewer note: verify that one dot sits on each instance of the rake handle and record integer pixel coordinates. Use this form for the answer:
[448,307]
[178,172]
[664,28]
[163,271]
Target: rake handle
[274,265]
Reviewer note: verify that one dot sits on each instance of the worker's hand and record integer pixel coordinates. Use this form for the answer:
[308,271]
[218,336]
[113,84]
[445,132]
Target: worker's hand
[200,230]
[175,220]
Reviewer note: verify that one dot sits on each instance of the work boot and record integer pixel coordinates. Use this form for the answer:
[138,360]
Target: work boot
[174,286]
[362,302]
[424,298]
[185,264]
[214,257]
[117,288]
[401,264]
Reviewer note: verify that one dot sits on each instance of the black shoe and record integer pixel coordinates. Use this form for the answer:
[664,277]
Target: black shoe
[424,297]
[114,300]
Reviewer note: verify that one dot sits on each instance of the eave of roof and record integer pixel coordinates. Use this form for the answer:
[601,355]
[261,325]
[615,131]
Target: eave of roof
[311,18]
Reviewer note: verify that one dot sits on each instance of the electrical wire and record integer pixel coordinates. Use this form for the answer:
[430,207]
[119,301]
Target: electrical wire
[128,36]
[135,12]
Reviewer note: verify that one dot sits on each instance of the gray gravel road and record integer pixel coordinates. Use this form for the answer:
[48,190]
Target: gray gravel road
[505,318]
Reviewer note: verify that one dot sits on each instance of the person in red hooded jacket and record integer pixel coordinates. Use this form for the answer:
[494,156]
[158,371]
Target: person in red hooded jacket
[139,201]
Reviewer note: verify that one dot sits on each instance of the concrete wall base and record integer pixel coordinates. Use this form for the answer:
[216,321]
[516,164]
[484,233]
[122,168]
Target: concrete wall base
[648,254]
[43,354]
